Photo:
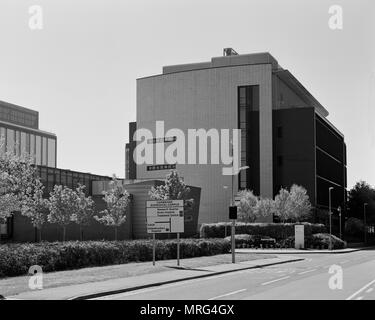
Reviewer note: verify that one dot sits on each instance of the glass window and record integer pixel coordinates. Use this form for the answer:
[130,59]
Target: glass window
[38,150]
[23,142]
[18,143]
[2,139]
[32,146]
[27,143]
[44,151]
[52,153]
[10,140]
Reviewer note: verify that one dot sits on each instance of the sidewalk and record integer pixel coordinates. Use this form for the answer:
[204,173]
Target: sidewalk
[96,289]
[295,251]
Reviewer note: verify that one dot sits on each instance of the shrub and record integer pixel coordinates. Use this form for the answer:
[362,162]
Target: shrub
[354,227]
[15,259]
[278,231]
[247,240]
[316,241]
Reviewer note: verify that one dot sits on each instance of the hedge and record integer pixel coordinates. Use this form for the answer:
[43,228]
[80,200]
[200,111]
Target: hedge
[15,259]
[278,231]
[317,241]
[247,240]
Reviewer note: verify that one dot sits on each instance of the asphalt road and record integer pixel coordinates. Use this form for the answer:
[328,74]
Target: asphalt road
[308,279]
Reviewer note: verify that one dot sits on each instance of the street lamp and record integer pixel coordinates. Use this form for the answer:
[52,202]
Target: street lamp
[233,240]
[364,220]
[339,210]
[330,218]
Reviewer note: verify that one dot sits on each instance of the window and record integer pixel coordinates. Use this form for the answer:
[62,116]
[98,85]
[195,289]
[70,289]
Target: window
[52,153]
[18,143]
[280,160]
[44,151]
[10,140]
[3,139]
[32,146]
[23,142]
[38,150]
[279,132]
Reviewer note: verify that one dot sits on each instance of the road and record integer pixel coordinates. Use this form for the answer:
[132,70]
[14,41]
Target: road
[305,280]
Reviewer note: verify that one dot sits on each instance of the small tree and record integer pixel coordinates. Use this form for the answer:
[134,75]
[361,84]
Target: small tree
[18,179]
[36,208]
[117,200]
[84,211]
[283,205]
[174,188]
[247,208]
[265,207]
[300,203]
[63,204]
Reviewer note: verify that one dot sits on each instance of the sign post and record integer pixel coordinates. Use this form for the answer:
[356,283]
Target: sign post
[299,236]
[153,249]
[165,216]
[233,217]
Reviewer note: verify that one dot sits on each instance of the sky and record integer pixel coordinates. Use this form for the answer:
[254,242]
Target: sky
[79,71]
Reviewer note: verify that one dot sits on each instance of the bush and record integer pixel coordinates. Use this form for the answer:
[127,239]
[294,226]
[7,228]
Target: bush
[246,240]
[16,259]
[316,241]
[354,227]
[278,231]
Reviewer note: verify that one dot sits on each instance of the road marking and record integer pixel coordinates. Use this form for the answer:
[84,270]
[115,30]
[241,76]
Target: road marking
[308,271]
[228,294]
[269,282]
[369,290]
[360,290]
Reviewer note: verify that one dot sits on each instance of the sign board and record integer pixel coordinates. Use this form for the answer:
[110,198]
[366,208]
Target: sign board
[299,233]
[233,213]
[165,216]
[3,229]
[237,201]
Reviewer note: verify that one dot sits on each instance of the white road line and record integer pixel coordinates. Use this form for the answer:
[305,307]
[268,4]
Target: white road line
[228,294]
[308,271]
[360,290]
[269,282]
[369,290]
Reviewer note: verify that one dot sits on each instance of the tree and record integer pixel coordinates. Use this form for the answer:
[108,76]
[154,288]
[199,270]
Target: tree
[360,194]
[247,208]
[283,205]
[18,179]
[300,203]
[265,207]
[174,188]
[117,200]
[63,205]
[84,211]
[35,207]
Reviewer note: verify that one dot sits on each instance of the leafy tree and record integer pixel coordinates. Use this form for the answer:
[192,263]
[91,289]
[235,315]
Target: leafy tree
[84,211]
[283,207]
[300,203]
[360,194]
[247,208]
[174,188]
[63,204]
[18,180]
[117,200]
[35,207]
[265,207]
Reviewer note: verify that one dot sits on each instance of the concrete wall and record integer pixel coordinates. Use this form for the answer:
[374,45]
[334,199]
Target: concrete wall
[207,99]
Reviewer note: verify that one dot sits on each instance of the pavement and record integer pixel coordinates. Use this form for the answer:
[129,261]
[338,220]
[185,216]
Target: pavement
[295,251]
[346,276]
[93,290]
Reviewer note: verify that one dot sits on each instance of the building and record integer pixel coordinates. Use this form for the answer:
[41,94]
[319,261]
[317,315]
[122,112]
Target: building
[286,136]
[19,132]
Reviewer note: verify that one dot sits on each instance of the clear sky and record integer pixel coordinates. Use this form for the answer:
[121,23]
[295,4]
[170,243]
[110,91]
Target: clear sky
[80,70]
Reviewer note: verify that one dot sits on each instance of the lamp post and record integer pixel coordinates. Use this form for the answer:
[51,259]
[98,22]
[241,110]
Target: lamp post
[233,240]
[339,210]
[364,220]
[330,217]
